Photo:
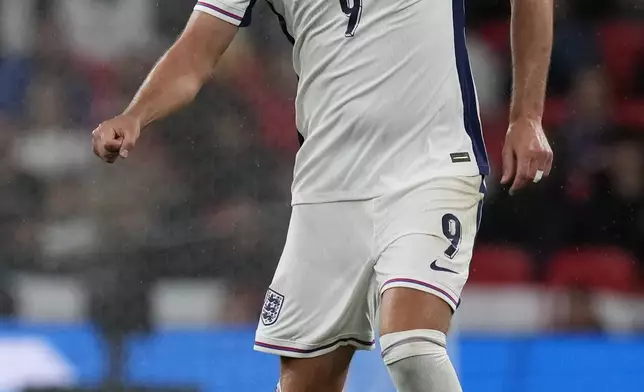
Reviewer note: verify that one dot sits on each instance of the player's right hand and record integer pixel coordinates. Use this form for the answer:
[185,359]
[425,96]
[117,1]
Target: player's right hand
[116,137]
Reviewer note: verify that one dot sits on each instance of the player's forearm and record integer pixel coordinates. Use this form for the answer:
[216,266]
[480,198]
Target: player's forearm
[531,35]
[170,85]
[179,75]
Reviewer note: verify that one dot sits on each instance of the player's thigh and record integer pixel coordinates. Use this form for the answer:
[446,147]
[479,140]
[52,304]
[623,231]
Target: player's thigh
[412,295]
[325,373]
[318,299]
[427,237]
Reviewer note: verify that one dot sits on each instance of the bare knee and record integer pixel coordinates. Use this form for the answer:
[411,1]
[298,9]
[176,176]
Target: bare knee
[326,373]
[404,309]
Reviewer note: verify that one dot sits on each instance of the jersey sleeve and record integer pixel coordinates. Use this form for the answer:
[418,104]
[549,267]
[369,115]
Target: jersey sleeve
[236,12]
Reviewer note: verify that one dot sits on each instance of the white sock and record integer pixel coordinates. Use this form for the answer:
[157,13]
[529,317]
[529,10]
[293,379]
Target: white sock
[417,361]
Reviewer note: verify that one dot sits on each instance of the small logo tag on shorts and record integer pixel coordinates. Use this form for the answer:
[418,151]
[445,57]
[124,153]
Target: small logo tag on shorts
[272,307]
[458,157]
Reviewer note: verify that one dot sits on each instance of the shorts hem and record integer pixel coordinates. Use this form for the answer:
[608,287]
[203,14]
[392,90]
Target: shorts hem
[445,294]
[291,349]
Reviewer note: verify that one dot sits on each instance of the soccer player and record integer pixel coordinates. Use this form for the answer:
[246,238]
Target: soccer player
[389,179]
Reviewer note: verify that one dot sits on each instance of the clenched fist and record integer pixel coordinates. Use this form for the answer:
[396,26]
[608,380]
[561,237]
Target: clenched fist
[116,137]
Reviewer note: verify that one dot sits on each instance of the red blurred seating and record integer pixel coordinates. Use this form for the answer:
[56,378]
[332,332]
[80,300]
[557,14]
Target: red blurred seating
[555,113]
[595,268]
[494,131]
[496,35]
[630,113]
[621,41]
[493,264]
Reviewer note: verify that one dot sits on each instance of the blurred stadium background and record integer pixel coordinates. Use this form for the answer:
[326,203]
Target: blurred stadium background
[150,273]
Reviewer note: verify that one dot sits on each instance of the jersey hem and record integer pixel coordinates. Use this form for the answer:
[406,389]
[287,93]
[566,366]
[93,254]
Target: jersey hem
[298,198]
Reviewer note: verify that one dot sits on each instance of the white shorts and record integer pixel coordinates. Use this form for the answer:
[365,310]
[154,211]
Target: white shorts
[340,257]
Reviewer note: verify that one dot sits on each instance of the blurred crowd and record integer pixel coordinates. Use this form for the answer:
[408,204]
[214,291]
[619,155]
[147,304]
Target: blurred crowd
[206,192]
[594,118]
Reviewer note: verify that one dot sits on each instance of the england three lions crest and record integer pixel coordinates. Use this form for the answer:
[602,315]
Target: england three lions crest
[272,307]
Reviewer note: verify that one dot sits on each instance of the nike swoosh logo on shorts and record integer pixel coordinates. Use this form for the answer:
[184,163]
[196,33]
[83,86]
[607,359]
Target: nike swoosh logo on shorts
[436,267]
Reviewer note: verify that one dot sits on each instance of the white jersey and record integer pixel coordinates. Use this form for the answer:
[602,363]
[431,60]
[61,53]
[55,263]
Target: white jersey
[385,97]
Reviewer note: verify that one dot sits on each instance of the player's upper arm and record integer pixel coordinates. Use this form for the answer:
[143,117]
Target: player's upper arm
[210,31]
[202,43]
